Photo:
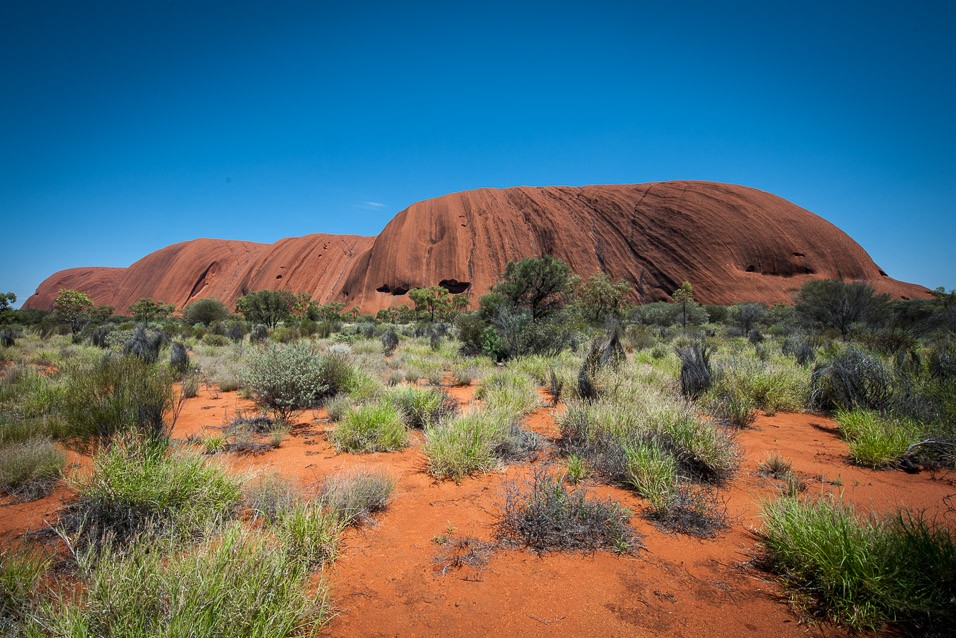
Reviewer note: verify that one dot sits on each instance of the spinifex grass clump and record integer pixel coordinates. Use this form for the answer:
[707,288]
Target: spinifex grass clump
[139,485]
[30,404]
[179,358]
[268,495]
[652,473]
[356,495]
[876,440]
[29,469]
[464,445]
[373,427]
[546,515]
[389,342]
[864,572]
[508,392]
[308,532]
[144,344]
[602,430]
[21,571]
[744,382]
[853,379]
[115,396]
[242,583]
[695,372]
[675,504]
[422,407]
[695,510]
[476,442]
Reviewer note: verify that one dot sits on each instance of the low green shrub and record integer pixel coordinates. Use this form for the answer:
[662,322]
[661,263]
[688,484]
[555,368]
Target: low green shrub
[29,469]
[373,427]
[287,378]
[864,572]
[215,340]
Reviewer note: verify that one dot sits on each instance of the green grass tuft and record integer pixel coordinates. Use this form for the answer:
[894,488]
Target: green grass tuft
[864,572]
[29,469]
[240,584]
[874,440]
[373,427]
[422,407]
[508,392]
[138,485]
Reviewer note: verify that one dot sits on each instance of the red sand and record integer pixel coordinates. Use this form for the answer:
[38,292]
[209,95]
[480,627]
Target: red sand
[391,578]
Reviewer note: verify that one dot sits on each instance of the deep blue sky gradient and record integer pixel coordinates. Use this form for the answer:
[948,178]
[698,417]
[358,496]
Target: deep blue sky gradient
[128,126]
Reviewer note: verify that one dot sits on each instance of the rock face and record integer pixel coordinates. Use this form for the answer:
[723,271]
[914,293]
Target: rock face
[732,243]
[223,269]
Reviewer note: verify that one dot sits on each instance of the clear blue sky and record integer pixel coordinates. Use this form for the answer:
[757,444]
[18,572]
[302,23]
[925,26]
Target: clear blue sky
[128,126]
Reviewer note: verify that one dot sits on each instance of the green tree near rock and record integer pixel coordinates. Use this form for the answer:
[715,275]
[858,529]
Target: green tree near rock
[600,299]
[268,307]
[72,307]
[684,298]
[205,311]
[436,301]
[836,304]
[146,309]
[541,285]
[7,299]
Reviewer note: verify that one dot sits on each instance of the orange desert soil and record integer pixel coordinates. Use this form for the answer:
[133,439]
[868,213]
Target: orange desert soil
[406,574]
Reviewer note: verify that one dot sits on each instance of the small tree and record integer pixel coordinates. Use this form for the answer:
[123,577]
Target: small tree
[7,299]
[836,304]
[432,300]
[541,285]
[72,307]
[146,309]
[101,314]
[747,316]
[330,312]
[600,299]
[267,306]
[684,297]
[205,311]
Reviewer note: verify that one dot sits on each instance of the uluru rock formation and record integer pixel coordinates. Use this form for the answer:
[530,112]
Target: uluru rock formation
[732,243]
